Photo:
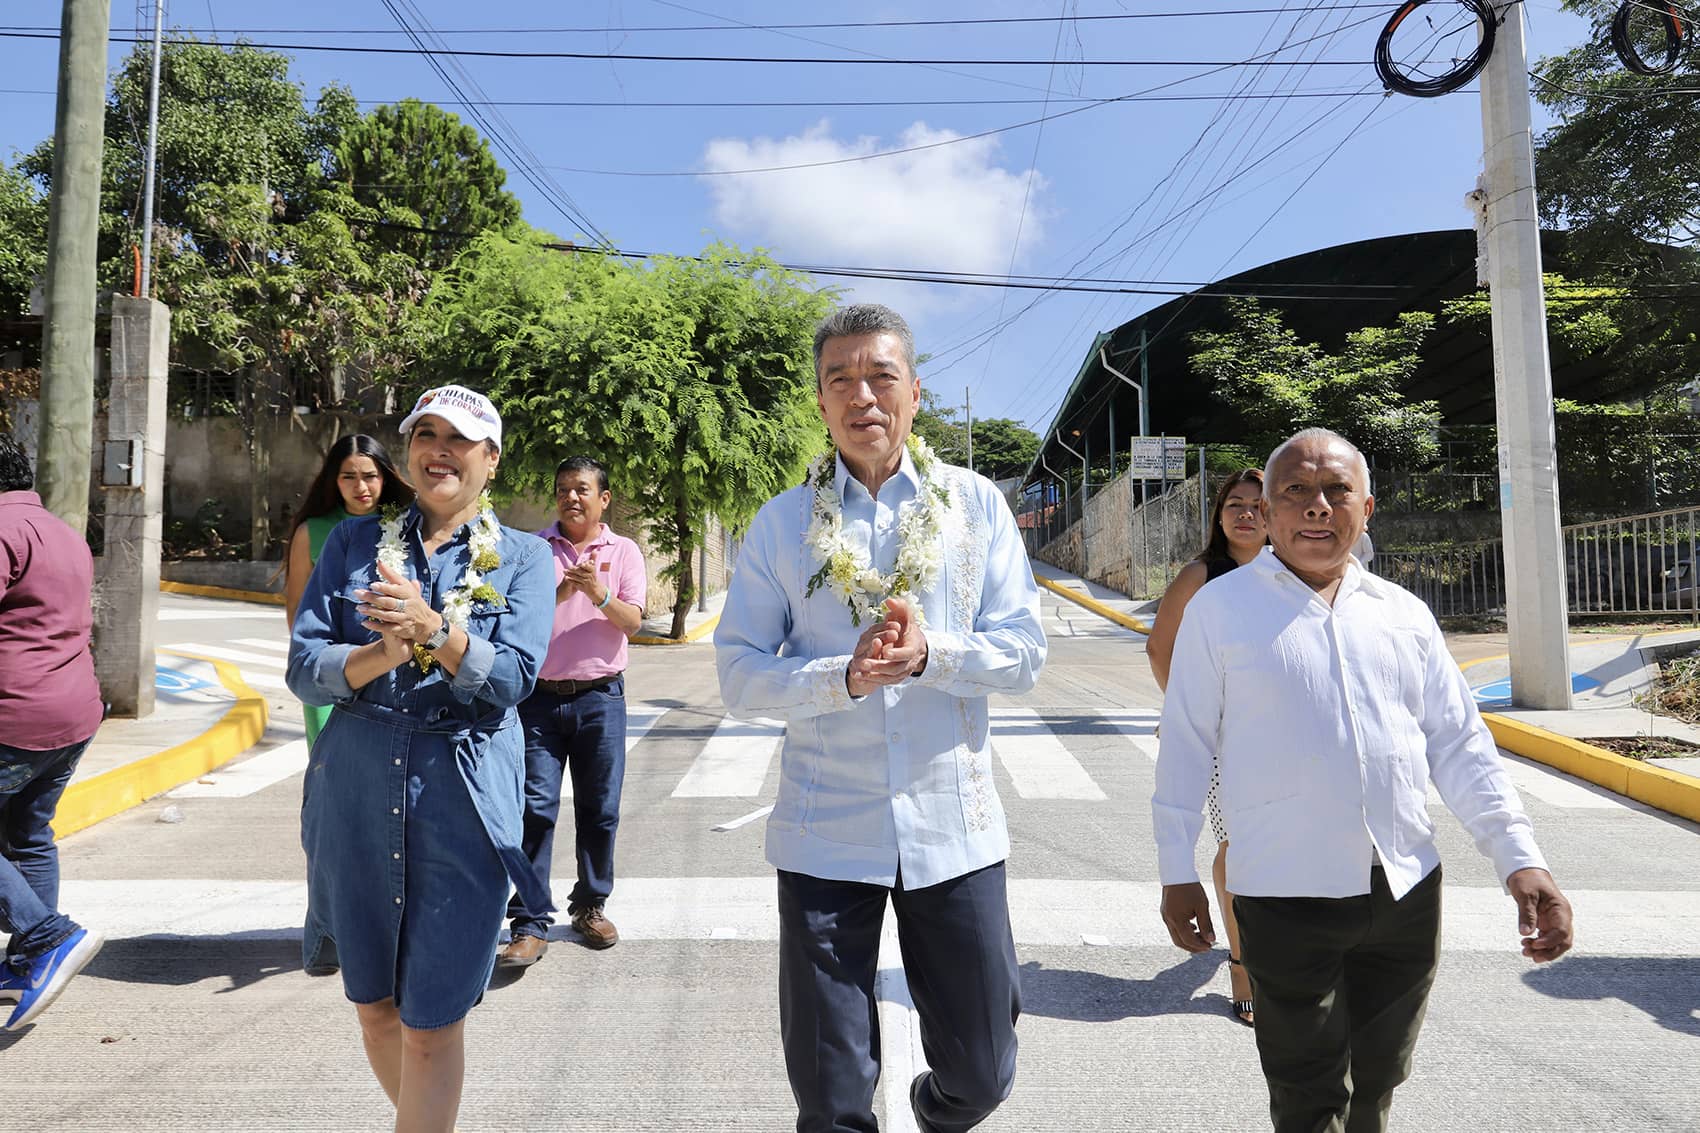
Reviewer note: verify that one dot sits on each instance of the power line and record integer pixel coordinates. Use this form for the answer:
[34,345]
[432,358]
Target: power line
[836,26]
[515,151]
[647,57]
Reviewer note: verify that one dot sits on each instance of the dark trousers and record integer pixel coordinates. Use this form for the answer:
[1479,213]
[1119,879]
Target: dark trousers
[30,785]
[1341,986]
[959,958]
[582,735]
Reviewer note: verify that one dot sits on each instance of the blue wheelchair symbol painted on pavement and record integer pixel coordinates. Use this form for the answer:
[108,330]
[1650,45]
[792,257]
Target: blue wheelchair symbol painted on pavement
[172,680]
[1497,694]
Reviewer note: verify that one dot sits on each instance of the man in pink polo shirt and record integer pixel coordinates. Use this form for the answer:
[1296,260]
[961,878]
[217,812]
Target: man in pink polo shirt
[575,720]
[49,709]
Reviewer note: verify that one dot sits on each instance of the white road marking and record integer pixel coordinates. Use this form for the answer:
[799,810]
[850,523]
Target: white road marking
[1038,763]
[734,761]
[639,720]
[901,1057]
[1138,725]
[744,821]
[1043,913]
[250,676]
[176,614]
[268,644]
[240,656]
[238,780]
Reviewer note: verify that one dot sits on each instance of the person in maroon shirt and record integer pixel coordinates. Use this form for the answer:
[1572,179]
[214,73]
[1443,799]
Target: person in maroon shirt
[49,709]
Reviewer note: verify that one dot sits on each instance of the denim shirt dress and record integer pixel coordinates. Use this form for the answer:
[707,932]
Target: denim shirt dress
[413,801]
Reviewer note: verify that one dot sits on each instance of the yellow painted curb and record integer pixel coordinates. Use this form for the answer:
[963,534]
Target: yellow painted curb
[112,792]
[1137,625]
[1670,791]
[199,591]
[696,633]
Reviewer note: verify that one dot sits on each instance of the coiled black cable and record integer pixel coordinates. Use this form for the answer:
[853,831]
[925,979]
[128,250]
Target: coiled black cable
[1676,36]
[1395,79]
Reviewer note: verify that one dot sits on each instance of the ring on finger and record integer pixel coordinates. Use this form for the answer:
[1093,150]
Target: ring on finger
[400,604]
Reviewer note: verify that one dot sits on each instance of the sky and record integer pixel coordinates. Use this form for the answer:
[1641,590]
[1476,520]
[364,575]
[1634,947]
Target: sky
[1203,166]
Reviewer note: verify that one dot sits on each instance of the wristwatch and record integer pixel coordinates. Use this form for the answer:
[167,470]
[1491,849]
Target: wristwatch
[439,639]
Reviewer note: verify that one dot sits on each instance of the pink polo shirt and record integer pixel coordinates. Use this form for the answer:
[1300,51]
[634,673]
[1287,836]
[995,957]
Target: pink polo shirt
[585,644]
[49,697]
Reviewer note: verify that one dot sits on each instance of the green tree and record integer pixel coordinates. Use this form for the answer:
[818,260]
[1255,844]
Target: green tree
[287,307]
[227,116]
[1279,384]
[1003,447]
[692,380]
[1646,348]
[1621,169]
[421,168]
[937,424]
[23,240]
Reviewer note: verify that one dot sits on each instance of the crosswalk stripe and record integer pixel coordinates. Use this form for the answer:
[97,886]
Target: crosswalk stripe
[638,723]
[250,676]
[238,780]
[1038,764]
[269,644]
[1138,726]
[734,761]
[240,656]
[1043,912]
[171,614]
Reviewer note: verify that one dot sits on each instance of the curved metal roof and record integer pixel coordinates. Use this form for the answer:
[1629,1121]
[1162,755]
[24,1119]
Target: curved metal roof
[1365,283]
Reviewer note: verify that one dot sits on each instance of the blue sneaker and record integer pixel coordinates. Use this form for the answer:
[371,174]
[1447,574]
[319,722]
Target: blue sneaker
[40,984]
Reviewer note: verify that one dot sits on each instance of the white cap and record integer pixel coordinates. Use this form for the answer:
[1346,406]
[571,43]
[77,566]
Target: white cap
[470,412]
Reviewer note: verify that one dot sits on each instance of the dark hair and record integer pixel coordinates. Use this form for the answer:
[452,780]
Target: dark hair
[1217,545]
[16,475]
[582,464]
[323,497]
[865,318]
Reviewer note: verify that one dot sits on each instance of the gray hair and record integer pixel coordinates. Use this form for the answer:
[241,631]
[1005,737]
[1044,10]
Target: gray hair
[1315,435]
[865,318]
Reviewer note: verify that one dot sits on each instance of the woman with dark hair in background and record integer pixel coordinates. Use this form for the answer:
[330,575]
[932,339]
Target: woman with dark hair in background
[1237,536]
[356,478]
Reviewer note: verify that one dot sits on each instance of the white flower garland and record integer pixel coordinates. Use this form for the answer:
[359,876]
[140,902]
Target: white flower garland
[482,558]
[849,571]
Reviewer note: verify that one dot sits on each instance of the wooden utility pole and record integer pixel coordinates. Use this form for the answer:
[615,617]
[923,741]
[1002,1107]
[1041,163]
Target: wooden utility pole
[73,224]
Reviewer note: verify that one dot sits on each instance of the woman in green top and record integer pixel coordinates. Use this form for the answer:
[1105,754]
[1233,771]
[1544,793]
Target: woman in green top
[356,479]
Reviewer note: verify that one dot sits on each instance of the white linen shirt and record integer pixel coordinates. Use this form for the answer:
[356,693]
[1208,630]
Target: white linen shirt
[901,779]
[1329,722]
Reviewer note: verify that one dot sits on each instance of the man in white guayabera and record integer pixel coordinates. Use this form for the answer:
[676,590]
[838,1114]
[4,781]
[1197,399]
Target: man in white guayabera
[874,608]
[1329,701]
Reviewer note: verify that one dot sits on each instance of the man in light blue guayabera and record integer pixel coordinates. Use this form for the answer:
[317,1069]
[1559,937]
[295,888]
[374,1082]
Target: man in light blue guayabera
[874,608]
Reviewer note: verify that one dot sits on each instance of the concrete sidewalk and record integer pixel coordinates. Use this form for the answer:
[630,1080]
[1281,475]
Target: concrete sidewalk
[1608,674]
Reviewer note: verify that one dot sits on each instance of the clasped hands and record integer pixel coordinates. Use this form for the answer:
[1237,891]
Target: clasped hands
[396,609]
[888,652]
[581,577]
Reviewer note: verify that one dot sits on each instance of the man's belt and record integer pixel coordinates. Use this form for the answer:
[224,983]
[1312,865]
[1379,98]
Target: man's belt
[573,688]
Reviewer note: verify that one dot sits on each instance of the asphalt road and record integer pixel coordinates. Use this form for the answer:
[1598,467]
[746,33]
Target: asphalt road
[197,1016]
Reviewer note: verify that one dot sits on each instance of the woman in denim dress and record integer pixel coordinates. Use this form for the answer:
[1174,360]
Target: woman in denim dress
[411,816]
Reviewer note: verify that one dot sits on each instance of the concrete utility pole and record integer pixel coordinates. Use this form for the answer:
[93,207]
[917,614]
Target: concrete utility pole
[1528,465]
[73,220]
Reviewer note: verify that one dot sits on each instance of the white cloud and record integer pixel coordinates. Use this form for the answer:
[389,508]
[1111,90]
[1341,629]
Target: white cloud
[949,208]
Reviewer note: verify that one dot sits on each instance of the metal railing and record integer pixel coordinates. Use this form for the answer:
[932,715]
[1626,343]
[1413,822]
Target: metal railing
[1637,564]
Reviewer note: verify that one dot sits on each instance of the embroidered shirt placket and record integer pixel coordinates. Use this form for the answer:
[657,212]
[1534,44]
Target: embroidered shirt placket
[1349,701]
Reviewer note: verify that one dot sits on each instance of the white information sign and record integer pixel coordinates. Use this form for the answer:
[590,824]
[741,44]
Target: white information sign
[1150,454]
